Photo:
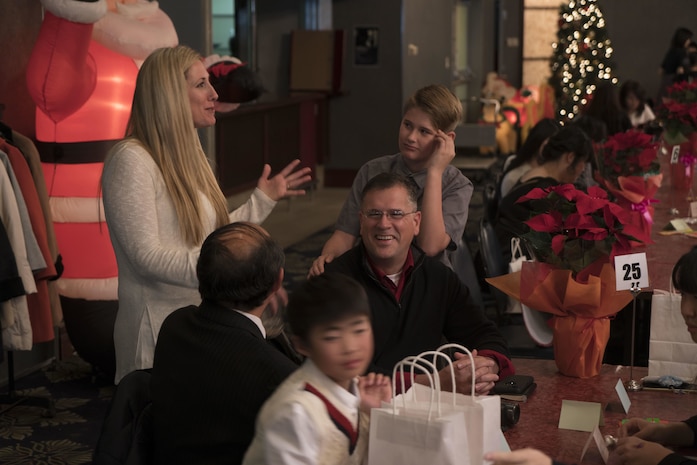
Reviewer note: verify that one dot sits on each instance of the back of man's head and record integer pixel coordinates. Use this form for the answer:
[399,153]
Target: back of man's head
[322,300]
[239,266]
[439,103]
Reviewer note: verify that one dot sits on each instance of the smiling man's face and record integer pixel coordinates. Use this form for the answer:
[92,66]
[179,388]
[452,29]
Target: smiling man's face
[387,240]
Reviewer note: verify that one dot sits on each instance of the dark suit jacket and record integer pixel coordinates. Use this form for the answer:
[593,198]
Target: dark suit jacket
[212,372]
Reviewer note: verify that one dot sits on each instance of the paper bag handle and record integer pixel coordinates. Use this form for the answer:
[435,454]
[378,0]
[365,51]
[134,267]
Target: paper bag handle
[516,251]
[448,360]
[413,362]
[462,349]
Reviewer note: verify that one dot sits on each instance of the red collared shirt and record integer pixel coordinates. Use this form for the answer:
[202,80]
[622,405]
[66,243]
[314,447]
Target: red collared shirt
[387,282]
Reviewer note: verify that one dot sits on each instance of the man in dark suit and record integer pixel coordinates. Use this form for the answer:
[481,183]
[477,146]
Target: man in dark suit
[213,368]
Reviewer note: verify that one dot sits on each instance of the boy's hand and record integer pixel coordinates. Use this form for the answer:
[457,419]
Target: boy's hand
[641,429]
[635,451]
[317,267]
[374,388]
[519,457]
[443,151]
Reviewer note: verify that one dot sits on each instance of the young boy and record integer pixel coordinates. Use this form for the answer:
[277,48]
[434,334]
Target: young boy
[320,414]
[426,148]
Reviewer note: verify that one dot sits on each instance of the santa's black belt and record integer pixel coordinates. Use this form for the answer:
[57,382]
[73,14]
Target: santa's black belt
[74,152]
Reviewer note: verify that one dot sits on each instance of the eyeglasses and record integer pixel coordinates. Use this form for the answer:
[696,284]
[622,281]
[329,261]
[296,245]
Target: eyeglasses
[394,215]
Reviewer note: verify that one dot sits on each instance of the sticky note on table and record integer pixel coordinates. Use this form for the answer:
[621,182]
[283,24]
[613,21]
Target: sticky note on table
[680,225]
[579,416]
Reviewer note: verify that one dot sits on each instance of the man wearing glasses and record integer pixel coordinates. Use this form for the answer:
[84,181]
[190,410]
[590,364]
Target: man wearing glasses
[416,301]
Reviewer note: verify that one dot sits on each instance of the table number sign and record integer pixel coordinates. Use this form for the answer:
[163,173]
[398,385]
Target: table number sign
[631,271]
[622,394]
[599,439]
[675,155]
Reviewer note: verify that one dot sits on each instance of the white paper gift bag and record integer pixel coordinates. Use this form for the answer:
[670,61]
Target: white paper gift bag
[491,405]
[408,431]
[516,264]
[671,348]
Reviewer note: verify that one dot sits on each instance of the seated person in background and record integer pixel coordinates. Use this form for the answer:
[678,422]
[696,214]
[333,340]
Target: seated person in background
[633,101]
[416,301]
[596,130]
[640,441]
[320,414]
[563,159]
[213,368]
[605,105]
[426,148]
[526,158]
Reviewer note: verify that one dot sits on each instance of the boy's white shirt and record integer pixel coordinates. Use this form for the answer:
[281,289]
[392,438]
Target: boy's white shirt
[288,433]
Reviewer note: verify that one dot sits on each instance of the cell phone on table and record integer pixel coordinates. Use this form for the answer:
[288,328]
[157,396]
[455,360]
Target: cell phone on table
[513,384]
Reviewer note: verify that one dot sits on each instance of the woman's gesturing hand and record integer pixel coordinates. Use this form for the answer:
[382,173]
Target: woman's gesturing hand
[286,183]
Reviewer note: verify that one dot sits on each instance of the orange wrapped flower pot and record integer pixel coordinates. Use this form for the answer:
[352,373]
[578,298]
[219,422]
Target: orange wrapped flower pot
[579,344]
[581,311]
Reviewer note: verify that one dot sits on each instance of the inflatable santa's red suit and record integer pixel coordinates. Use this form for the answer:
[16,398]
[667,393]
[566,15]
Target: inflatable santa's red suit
[81,75]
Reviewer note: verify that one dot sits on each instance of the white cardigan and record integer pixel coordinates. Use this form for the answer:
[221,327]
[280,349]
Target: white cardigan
[157,269]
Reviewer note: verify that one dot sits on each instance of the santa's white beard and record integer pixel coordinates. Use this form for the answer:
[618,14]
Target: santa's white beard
[135,30]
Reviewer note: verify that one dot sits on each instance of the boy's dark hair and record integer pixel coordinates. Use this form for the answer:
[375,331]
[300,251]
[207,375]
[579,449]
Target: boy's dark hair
[238,266]
[685,273]
[570,138]
[384,181]
[439,103]
[325,299]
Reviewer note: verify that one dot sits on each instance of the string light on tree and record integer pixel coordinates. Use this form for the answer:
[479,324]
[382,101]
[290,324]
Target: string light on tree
[581,57]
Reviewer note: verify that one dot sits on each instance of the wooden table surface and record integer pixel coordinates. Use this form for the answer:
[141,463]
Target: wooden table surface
[666,250]
[539,416]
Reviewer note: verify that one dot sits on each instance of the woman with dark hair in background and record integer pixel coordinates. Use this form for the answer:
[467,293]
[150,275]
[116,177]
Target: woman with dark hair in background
[673,60]
[633,101]
[526,158]
[563,159]
[605,105]
[596,130]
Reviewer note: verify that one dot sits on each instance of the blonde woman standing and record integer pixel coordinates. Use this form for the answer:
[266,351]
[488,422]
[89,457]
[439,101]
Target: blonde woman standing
[161,199]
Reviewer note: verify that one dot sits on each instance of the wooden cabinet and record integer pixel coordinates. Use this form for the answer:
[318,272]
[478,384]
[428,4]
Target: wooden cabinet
[271,132]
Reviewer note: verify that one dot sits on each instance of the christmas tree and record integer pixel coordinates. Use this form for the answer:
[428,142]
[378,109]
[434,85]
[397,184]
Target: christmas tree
[581,56]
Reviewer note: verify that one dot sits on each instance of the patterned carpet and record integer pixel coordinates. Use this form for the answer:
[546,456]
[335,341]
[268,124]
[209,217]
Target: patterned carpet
[299,257]
[67,438]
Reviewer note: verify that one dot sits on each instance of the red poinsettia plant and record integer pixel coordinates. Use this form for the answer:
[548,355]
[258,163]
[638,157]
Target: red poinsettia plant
[629,169]
[579,231]
[630,153]
[679,112]
[573,235]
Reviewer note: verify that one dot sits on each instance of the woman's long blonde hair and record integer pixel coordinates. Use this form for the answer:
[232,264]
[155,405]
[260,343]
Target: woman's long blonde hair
[162,122]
